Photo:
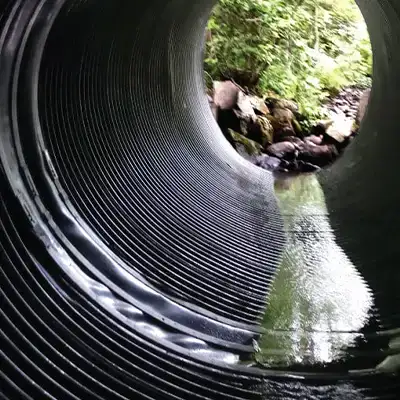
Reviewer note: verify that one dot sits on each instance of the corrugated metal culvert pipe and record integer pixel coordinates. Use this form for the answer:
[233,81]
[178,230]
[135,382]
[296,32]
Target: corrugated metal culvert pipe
[138,250]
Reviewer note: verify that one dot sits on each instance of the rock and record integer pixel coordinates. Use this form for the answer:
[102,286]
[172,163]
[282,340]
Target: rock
[261,131]
[251,147]
[297,128]
[245,120]
[320,156]
[349,104]
[306,167]
[288,105]
[225,94]
[283,133]
[270,102]
[282,150]
[259,106]
[245,106]
[321,127]
[283,115]
[282,123]
[313,139]
[275,103]
[268,162]
[363,106]
[339,131]
[286,165]
[274,122]
[292,139]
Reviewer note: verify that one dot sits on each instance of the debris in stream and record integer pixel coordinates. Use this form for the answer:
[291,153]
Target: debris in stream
[267,131]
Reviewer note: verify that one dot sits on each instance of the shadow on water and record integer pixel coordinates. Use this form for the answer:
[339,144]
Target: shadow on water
[320,307]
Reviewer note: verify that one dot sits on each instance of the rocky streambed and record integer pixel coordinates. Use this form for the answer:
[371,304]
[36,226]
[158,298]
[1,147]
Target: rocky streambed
[267,131]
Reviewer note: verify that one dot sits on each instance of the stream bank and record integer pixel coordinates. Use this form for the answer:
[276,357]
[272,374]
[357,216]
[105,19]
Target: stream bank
[270,132]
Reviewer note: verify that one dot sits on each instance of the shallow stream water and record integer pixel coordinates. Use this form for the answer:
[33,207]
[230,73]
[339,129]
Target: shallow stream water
[320,314]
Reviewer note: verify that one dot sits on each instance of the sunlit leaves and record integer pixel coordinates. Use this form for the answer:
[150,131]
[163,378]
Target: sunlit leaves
[299,49]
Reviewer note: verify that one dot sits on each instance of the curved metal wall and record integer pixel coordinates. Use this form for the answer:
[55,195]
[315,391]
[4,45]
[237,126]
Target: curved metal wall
[137,247]
[361,188]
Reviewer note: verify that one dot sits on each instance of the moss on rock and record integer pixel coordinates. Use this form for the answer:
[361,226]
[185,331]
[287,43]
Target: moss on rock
[252,148]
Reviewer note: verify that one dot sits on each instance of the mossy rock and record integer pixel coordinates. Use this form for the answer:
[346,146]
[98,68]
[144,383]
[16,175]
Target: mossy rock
[297,128]
[277,103]
[252,148]
[287,104]
[276,124]
[283,115]
[261,131]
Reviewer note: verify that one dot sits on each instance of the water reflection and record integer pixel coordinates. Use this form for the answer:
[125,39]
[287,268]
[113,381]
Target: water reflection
[319,301]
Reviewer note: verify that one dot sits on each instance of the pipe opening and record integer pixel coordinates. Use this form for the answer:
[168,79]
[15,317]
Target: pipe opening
[288,84]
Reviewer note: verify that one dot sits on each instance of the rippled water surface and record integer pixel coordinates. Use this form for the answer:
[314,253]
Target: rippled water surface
[322,326]
[321,311]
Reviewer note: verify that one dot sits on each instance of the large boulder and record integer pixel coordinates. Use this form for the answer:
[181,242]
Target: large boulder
[282,128]
[225,94]
[268,162]
[313,139]
[339,131]
[283,115]
[288,105]
[259,106]
[260,130]
[320,156]
[291,139]
[283,133]
[245,105]
[282,121]
[321,127]
[274,103]
[241,142]
[283,150]
[297,128]
[251,105]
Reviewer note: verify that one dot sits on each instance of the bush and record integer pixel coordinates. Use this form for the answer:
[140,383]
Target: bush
[299,49]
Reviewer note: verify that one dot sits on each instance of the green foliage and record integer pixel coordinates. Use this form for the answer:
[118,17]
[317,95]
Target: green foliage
[299,49]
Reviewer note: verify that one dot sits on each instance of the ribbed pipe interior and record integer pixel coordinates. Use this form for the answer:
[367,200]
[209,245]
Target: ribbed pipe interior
[117,105]
[137,247]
